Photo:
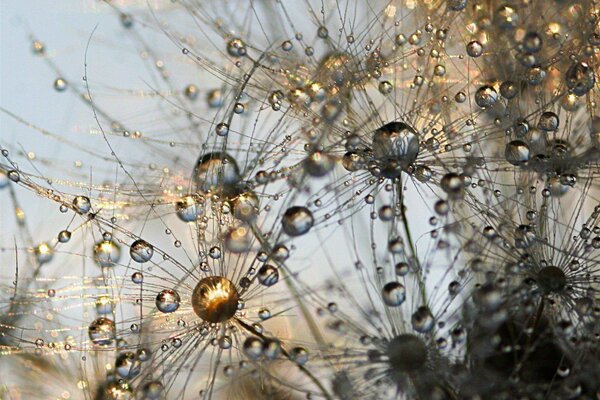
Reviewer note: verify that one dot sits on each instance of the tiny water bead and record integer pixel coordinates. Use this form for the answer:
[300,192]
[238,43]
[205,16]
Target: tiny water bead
[422,320]
[297,221]
[393,294]
[215,299]
[168,301]
[580,78]
[239,239]
[189,208]
[141,251]
[548,121]
[128,365]
[217,172]
[214,98]
[245,206]
[222,129]
[107,253]
[517,152]
[44,253]
[486,96]
[191,92]
[236,47]
[268,275]
[457,5]
[452,184]
[60,85]
[253,348]
[474,49]
[509,90]
[153,390]
[532,42]
[82,204]
[102,331]
[396,141]
[319,164]
[506,18]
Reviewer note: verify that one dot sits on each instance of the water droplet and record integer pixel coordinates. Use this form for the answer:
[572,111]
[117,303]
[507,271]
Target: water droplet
[268,275]
[107,253]
[141,251]
[393,294]
[167,301]
[517,152]
[297,221]
[102,331]
[486,96]
[474,49]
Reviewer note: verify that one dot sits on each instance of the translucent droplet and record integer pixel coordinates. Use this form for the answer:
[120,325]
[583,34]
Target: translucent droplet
[168,301]
[509,89]
[385,87]
[104,305]
[60,85]
[141,251]
[268,275]
[239,239]
[442,207]
[297,221]
[14,176]
[271,349]
[393,294]
[396,141]
[44,253]
[532,42]
[245,206]
[189,208]
[107,253]
[253,348]
[153,390]
[486,96]
[319,164]
[102,331]
[299,355]
[137,278]
[127,365]
[580,78]
[217,172]
[191,92]
[126,20]
[474,48]
[82,204]
[236,47]
[215,252]
[457,5]
[422,320]
[222,129]
[452,184]
[548,121]
[516,152]
[215,98]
